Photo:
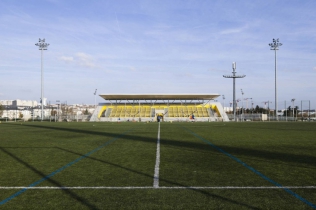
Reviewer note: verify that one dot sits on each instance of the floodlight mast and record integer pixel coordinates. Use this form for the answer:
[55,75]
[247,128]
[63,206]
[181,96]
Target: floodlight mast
[275,46]
[234,76]
[42,46]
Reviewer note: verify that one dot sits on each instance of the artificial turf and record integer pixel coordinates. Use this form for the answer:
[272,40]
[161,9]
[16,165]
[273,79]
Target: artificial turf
[250,154]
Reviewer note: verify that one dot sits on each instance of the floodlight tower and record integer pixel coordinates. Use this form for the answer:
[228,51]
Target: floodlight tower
[275,46]
[234,76]
[42,46]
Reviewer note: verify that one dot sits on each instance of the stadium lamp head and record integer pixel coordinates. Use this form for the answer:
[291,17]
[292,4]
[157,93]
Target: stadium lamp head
[234,65]
[275,44]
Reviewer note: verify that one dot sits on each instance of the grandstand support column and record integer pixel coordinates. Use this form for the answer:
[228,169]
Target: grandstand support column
[234,76]
[42,46]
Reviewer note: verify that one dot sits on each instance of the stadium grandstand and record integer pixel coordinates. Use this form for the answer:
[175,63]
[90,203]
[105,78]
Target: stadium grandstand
[159,107]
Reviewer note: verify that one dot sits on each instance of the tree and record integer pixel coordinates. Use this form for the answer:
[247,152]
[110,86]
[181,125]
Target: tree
[260,110]
[1,110]
[70,110]
[20,115]
[53,113]
[289,111]
[86,112]
[257,109]
[66,110]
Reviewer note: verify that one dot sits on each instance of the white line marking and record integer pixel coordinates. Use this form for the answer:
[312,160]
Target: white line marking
[156,175]
[161,187]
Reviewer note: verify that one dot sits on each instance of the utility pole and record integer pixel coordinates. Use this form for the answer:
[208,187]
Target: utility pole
[275,46]
[42,46]
[234,76]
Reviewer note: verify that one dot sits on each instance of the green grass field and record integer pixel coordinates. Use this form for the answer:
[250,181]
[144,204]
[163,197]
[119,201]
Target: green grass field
[201,165]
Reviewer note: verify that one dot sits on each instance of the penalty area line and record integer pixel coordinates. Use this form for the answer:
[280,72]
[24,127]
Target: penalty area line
[153,187]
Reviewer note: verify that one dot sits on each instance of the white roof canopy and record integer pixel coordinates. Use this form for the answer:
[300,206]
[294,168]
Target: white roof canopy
[188,96]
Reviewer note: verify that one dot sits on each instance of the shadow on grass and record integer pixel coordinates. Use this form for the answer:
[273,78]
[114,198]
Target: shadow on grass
[73,195]
[91,206]
[282,126]
[266,155]
[165,180]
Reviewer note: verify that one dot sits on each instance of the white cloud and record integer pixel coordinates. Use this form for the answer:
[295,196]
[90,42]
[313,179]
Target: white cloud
[81,59]
[218,70]
[85,60]
[67,59]
[234,30]
[132,68]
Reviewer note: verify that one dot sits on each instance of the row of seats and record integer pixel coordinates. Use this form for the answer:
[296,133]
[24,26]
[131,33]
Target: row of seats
[145,111]
[123,111]
[187,111]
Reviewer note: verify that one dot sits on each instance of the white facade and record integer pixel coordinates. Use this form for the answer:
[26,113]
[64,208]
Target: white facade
[27,114]
[24,103]
[15,109]
[228,109]
[6,102]
[45,102]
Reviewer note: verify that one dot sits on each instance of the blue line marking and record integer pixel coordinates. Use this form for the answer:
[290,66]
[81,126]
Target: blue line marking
[253,170]
[61,169]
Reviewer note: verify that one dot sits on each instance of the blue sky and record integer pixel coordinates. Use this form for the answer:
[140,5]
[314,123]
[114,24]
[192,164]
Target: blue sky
[164,46]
